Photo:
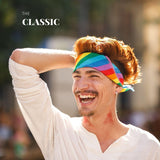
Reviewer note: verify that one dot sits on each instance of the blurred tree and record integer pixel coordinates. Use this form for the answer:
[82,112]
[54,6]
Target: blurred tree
[14,34]
[77,18]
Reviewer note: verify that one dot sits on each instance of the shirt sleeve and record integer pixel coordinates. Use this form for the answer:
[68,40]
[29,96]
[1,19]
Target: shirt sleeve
[35,104]
[157,153]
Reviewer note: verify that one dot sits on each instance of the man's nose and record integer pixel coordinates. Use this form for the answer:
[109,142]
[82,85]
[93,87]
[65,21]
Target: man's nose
[83,84]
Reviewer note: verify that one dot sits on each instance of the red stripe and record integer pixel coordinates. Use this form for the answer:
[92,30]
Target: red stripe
[121,80]
[108,72]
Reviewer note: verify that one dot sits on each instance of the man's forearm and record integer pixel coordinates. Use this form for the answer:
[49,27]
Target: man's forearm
[44,59]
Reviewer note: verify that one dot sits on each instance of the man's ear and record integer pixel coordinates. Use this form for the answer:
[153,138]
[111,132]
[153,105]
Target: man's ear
[118,89]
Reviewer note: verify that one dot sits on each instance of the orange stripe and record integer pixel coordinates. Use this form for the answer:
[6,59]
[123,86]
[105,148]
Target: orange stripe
[112,76]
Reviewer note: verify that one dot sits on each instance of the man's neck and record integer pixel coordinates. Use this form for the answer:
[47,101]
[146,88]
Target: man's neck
[107,119]
[106,127]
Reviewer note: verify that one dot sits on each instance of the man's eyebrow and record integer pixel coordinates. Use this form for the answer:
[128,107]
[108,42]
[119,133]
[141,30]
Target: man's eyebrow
[76,72]
[87,72]
[92,71]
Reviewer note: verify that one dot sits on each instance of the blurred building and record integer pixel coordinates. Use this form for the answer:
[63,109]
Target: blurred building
[137,23]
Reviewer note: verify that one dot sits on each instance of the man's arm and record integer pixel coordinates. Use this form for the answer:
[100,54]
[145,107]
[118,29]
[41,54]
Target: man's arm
[32,92]
[44,59]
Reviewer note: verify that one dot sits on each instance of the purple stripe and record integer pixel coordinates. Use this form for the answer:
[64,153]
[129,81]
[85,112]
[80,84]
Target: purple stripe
[119,75]
[104,67]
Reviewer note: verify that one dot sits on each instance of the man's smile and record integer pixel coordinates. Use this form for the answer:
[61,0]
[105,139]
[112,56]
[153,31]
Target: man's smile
[86,97]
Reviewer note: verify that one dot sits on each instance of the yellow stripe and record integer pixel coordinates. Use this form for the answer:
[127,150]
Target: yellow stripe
[123,90]
[82,56]
[116,80]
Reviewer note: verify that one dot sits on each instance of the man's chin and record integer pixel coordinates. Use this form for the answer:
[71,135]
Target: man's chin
[86,113]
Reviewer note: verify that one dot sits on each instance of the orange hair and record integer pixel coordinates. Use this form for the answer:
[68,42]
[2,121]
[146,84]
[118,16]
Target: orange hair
[120,54]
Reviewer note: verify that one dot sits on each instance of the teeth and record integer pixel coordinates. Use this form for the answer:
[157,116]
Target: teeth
[83,101]
[87,96]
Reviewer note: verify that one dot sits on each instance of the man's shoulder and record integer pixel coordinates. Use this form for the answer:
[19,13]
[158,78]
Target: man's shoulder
[76,123]
[143,136]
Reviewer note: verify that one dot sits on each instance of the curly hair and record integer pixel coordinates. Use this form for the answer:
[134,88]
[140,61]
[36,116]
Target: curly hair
[120,54]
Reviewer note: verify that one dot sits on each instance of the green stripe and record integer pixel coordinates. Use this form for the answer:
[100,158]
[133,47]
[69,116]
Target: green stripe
[120,84]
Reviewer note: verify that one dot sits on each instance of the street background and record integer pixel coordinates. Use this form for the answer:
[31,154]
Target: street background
[136,22]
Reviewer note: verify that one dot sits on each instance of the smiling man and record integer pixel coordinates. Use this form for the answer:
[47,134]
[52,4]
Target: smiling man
[104,67]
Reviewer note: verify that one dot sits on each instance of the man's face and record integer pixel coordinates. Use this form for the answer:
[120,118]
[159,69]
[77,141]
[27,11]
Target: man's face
[93,91]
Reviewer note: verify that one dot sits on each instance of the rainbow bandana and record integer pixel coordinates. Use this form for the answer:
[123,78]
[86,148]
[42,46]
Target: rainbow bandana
[103,64]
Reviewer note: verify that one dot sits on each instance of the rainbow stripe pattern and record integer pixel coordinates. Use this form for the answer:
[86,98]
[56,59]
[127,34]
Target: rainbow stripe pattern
[103,64]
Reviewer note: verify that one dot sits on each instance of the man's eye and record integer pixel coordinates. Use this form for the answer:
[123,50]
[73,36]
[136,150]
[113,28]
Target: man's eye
[76,76]
[94,76]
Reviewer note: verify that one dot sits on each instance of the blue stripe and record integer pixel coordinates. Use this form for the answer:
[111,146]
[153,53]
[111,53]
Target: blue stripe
[93,62]
[116,68]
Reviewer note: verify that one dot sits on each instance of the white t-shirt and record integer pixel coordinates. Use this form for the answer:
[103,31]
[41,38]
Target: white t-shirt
[61,137]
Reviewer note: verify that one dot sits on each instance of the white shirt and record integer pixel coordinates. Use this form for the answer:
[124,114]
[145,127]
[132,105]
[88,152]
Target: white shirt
[61,137]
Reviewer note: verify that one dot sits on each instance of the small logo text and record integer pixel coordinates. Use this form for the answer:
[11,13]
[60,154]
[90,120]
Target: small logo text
[40,22]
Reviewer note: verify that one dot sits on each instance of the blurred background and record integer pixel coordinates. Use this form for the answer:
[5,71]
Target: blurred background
[136,22]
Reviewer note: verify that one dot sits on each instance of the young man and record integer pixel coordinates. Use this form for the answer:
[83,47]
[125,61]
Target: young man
[101,69]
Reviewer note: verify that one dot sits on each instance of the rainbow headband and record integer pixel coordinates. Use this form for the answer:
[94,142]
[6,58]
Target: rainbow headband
[103,64]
